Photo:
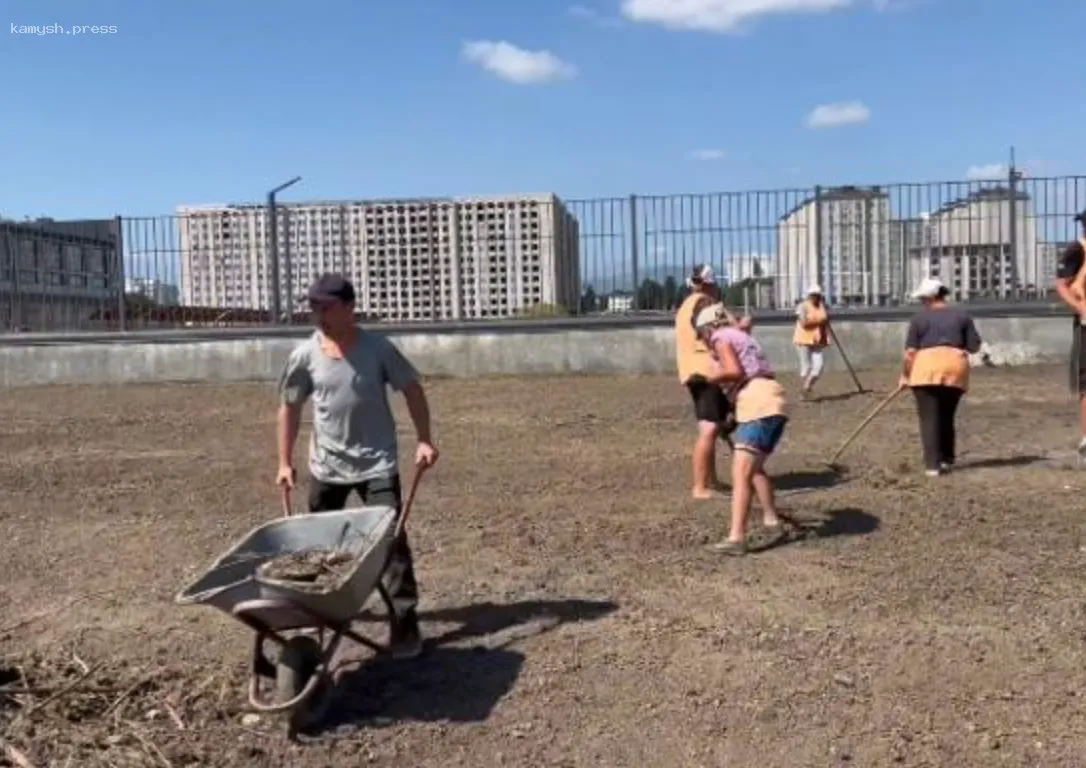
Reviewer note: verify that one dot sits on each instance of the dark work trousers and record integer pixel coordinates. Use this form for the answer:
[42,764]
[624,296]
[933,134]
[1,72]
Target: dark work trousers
[399,578]
[937,406]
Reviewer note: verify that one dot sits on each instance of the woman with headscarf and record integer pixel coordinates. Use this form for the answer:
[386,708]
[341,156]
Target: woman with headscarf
[938,343]
[711,408]
[811,337]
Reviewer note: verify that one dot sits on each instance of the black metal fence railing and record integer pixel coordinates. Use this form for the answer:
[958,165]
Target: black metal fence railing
[538,256]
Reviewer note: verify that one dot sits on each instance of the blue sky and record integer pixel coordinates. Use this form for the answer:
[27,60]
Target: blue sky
[201,101]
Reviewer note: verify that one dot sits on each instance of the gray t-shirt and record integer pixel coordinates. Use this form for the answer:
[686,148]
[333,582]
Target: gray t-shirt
[354,432]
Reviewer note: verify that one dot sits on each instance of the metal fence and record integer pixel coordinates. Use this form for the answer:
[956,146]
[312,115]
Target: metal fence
[538,256]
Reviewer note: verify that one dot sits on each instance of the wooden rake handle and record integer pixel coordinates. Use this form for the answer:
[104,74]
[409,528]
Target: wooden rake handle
[867,420]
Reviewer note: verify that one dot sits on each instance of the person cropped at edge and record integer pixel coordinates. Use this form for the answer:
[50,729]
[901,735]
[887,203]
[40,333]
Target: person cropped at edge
[1071,287]
[761,414]
[811,337]
[345,371]
[694,362]
[938,343]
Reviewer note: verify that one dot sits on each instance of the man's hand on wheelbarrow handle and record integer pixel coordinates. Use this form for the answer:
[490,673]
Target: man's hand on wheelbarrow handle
[285,477]
[425,455]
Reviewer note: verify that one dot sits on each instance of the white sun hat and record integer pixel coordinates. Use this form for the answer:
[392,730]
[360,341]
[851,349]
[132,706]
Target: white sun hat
[929,288]
[814,289]
[703,274]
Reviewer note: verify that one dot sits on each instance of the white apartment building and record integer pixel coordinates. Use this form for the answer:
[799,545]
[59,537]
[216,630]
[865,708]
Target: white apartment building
[981,246]
[620,302]
[446,259]
[853,226]
[160,292]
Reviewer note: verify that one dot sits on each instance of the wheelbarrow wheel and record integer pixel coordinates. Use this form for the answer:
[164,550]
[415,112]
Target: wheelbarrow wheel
[298,662]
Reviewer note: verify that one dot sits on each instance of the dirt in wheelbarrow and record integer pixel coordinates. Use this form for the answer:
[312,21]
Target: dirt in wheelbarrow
[573,614]
[316,570]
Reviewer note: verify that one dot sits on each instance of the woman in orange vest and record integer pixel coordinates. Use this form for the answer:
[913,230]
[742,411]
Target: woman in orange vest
[696,366]
[811,337]
[938,343]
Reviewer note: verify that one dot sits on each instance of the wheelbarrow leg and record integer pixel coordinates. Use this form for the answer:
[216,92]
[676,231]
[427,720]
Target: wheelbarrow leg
[261,665]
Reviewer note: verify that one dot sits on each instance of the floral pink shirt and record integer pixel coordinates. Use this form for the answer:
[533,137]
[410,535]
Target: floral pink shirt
[747,349]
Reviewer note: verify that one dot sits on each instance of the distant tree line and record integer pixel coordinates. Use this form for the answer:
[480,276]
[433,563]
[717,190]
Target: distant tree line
[652,295]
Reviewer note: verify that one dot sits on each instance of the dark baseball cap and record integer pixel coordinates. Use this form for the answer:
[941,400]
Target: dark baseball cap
[1081,217]
[332,286]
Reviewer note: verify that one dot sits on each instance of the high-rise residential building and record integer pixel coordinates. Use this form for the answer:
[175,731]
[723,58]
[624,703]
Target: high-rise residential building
[443,259]
[840,239]
[58,275]
[981,246]
[157,291]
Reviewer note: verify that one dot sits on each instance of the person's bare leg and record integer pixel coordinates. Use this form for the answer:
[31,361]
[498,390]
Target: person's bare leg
[743,468]
[763,489]
[706,482]
[1082,419]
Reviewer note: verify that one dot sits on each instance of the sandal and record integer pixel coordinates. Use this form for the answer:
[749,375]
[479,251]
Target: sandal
[728,547]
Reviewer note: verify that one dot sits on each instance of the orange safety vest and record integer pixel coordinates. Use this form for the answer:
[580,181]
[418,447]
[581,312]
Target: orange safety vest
[692,356]
[940,366]
[812,337]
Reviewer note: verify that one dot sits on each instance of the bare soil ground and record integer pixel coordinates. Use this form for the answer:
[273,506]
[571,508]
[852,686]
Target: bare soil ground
[573,615]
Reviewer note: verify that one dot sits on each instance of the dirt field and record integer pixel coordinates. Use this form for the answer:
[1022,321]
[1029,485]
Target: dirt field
[573,615]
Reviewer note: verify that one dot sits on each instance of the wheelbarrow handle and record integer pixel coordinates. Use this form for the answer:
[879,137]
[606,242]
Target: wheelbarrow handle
[288,508]
[416,476]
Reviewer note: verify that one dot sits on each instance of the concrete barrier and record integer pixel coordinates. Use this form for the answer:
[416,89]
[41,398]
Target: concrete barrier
[619,346]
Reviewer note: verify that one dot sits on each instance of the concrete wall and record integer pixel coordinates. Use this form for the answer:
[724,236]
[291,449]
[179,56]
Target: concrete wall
[524,348]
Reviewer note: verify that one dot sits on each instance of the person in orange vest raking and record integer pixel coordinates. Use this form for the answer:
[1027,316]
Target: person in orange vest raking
[695,363]
[938,343]
[1071,286]
[811,337]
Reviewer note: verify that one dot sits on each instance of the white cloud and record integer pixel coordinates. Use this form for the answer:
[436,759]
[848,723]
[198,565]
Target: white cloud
[990,172]
[838,114]
[720,15]
[707,155]
[584,13]
[517,65]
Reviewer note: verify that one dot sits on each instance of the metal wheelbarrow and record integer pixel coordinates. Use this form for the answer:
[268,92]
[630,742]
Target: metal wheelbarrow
[276,609]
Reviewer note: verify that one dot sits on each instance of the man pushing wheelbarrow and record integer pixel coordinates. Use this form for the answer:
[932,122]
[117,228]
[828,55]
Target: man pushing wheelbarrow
[345,371]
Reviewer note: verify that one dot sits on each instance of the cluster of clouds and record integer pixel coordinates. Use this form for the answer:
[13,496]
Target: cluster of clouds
[524,66]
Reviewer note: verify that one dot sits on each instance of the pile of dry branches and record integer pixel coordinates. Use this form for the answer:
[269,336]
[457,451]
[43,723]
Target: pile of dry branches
[63,711]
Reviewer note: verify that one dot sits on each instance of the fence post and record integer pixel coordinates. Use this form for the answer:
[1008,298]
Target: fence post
[634,249]
[274,291]
[288,268]
[820,272]
[1012,186]
[122,304]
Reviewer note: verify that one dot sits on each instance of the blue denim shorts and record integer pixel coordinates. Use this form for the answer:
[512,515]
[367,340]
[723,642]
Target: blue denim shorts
[762,435]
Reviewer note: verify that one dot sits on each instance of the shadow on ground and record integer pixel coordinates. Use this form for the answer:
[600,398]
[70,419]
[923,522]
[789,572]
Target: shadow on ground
[801,481]
[806,480]
[847,521]
[998,462]
[452,684]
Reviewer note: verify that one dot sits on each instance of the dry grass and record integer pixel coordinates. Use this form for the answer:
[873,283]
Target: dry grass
[574,616]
